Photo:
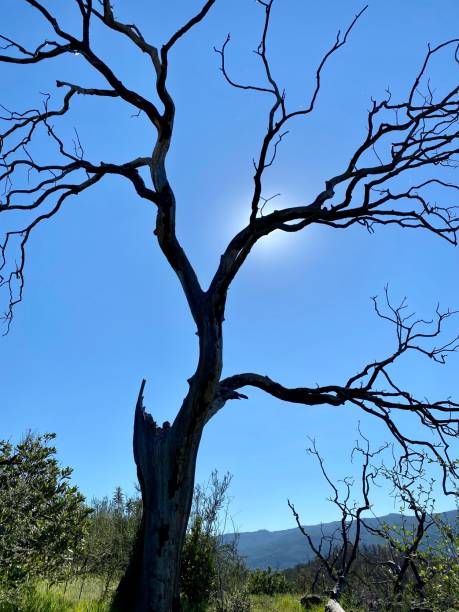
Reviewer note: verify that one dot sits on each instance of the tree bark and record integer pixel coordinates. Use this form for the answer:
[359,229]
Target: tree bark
[166,460]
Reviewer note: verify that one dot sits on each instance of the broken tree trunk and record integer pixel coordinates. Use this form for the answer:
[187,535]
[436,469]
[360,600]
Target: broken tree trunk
[165,460]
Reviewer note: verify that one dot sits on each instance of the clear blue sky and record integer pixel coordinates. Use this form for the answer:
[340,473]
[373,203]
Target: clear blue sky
[102,309]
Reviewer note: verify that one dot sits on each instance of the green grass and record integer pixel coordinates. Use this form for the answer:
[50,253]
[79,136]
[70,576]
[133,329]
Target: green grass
[37,601]
[93,589]
[279,603]
[53,599]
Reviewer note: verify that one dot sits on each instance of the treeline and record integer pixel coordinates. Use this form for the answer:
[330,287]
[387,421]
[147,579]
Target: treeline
[48,534]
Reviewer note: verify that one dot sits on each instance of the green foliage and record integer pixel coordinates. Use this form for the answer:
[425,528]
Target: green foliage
[279,603]
[439,569]
[51,600]
[111,534]
[235,599]
[36,601]
[267,582]
[230,591]
[198,571]
[211,571]
[43,519]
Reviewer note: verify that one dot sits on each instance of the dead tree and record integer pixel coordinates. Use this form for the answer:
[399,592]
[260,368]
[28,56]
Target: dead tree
[337,552]
[399,563]
[404,185]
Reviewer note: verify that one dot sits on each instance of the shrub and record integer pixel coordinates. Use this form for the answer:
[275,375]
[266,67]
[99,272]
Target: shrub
[111,534]
[234,600]
[43,519]
[267,582]
[198,570]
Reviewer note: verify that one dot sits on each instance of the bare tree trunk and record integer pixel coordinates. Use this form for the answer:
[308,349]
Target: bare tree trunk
[166,460]
[333,606]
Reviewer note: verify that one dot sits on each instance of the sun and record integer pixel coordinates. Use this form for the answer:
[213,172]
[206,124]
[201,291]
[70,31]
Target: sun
[276,244]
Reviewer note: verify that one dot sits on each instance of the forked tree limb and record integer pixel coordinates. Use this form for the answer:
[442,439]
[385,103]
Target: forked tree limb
[424,135]
[30,121]
[374,391]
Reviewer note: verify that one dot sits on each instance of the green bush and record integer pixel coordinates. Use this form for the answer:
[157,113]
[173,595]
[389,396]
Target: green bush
[43,519]
[198,571]
[267,582]
[439,569]
[235,600]
[111,534]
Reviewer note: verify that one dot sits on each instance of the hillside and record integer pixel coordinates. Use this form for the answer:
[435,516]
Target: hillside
[286,548]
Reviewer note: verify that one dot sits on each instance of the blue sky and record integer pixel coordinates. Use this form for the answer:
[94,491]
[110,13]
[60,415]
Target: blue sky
[102,309]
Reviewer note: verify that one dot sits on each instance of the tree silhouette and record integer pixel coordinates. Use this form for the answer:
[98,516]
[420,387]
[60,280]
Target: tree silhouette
[393,177]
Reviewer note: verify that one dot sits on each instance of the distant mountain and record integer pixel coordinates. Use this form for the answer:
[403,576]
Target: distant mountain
[287,548]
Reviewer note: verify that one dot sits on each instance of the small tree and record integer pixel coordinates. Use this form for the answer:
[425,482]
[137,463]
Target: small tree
[207,560]
[338,552]
[43,519]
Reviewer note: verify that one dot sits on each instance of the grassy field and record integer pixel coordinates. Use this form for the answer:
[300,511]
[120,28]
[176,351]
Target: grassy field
[54,599]
[39,601]
[87,599]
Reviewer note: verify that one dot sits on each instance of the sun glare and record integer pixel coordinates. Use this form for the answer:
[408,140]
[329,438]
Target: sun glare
[277,243]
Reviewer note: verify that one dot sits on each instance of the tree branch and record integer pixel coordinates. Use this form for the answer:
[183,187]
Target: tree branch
[187,27]
[374,391]
[26,124]
[417,135]
[342,547]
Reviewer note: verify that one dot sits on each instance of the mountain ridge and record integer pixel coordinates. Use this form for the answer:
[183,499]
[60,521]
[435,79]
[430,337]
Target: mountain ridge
[286,548]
